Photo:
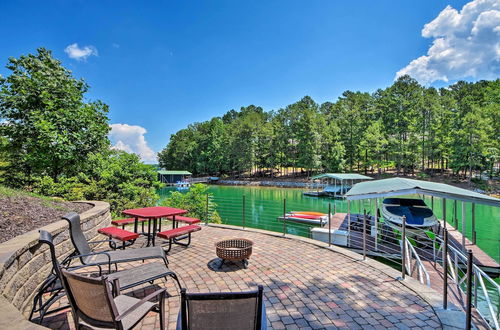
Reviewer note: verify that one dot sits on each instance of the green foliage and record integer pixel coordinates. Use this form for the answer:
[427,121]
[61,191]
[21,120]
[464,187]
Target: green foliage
[195,201]
[116,177]
[50,128]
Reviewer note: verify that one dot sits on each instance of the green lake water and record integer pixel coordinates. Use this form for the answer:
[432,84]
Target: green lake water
[262,205]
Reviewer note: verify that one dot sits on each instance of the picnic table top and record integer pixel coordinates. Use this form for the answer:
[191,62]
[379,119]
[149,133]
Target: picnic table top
[154,212]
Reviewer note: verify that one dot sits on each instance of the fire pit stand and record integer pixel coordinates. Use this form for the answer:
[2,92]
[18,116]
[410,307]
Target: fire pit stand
[236,249]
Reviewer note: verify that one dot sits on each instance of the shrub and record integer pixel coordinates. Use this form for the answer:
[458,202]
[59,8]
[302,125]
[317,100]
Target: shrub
[116,177]
[195,201]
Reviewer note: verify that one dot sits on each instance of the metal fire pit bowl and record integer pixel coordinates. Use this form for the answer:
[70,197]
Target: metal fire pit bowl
[236,249]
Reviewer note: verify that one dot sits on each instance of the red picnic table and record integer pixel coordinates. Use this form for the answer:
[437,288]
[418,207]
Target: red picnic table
[153,213]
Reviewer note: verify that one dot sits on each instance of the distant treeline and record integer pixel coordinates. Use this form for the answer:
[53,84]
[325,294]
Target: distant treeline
[404,127]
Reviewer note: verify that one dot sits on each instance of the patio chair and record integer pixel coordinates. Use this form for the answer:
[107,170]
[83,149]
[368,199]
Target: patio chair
[87,256]
[129,278]
[97,302]
[238,310]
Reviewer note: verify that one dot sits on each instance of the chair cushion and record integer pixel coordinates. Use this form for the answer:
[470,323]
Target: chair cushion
[172,233]
[117,233]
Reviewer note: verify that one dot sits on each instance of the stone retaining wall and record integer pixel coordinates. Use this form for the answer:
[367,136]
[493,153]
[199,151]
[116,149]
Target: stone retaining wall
[25,264]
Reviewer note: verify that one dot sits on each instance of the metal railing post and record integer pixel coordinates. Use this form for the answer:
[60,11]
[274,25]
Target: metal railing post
[455,215]
[468,311]
[206,211]
[375,220]
[284,216]
[445,269]
[473,223]
[243,212]
[364,234]
[403,249]
[329,224]
[349,223]
[464,226]
[444,212]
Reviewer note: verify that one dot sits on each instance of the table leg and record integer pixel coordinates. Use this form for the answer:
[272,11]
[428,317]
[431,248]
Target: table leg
[154,231]
[136,222]
[149,232]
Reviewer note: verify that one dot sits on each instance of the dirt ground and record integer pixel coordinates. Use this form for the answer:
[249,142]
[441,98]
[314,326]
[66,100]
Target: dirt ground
[21,213]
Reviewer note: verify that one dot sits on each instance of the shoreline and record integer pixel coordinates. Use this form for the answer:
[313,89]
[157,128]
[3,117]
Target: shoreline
[264,183]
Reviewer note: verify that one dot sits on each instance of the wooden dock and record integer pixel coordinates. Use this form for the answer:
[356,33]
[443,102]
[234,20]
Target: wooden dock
[481,259]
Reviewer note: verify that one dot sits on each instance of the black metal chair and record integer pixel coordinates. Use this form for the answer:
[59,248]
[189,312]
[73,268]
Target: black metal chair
[230,310]
[52,284]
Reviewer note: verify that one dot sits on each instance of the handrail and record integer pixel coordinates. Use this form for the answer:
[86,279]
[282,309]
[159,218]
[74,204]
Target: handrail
[422,271]
[480,275]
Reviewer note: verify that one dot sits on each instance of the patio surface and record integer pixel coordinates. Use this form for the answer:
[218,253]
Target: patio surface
[305,286]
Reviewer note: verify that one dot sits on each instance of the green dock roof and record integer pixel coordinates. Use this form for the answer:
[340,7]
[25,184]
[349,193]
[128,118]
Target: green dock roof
[401,186]
[342,176]
[174,172]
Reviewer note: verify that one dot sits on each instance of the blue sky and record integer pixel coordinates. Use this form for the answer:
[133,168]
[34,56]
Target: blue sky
[163,65]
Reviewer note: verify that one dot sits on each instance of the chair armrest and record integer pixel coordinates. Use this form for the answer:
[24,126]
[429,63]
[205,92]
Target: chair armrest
[85,266]
[93,254]
[160,292]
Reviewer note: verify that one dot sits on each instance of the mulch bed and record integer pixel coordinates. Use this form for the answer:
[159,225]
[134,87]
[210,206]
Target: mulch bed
[21,214]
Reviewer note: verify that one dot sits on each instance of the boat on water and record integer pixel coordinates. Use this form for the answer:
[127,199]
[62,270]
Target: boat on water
[182,184]
[306,217]
[418,215]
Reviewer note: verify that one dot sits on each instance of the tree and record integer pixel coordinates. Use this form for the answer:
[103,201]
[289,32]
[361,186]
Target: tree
[50,128]
[373,145]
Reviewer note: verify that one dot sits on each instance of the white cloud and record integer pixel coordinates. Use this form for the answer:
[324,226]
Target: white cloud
[78,53]
[131,139]
[466,44]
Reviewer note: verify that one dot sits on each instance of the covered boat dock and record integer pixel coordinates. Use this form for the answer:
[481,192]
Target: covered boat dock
[334,184]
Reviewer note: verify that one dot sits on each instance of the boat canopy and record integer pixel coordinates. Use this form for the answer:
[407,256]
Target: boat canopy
[174,172]
[342,176]
[400,186]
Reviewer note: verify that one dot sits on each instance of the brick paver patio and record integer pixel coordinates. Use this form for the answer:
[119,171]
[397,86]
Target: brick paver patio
[306,286]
